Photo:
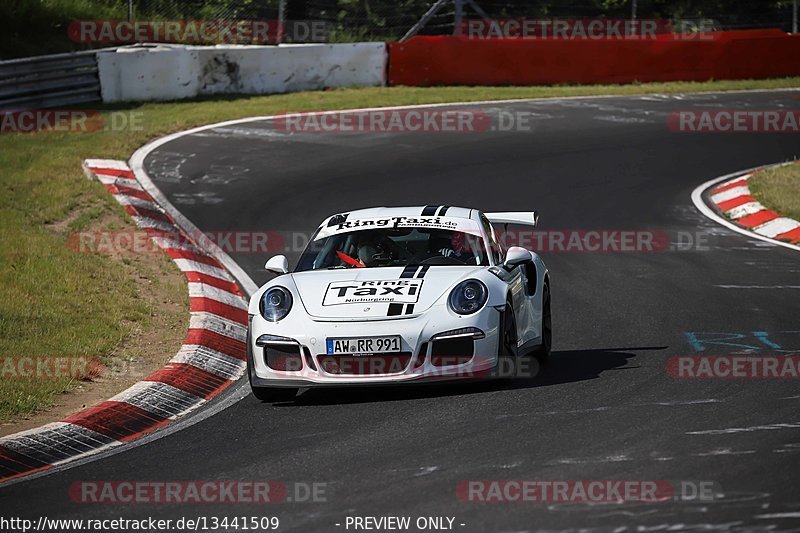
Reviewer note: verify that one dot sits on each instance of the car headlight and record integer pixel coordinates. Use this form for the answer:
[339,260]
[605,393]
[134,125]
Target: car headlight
[276,303]
[468,297]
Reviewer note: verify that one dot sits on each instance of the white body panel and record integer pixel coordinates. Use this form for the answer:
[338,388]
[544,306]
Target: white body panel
[320,290]
[324,307]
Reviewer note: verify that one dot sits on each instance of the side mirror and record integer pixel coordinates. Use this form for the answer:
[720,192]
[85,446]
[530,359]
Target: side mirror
[277,264]
[516,256]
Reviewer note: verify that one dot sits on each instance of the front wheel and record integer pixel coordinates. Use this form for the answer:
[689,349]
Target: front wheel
[542,353]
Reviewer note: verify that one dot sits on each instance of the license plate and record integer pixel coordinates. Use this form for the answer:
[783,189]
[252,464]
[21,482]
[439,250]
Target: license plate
[363,345]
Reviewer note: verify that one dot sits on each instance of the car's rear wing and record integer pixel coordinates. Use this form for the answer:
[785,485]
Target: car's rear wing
[527,218]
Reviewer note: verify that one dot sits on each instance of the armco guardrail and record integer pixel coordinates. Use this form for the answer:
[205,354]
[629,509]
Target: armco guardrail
[49,81]
[147,72]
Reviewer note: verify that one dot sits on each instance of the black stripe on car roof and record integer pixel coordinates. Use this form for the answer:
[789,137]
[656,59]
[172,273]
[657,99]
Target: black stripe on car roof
[397,309]
[420,274]
[408,271]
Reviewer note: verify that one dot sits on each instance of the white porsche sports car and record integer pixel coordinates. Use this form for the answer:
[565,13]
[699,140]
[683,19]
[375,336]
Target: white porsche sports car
[400,294]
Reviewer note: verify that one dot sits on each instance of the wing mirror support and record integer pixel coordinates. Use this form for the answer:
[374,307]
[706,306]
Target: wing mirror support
[516,256]
[277,264]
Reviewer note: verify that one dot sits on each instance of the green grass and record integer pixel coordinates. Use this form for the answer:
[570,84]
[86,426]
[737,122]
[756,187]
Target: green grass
[57,302]
[778,189]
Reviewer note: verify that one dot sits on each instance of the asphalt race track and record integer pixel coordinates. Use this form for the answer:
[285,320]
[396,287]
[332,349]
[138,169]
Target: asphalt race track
[604,409]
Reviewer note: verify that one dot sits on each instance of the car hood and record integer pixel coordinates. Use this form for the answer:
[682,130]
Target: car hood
[376,293]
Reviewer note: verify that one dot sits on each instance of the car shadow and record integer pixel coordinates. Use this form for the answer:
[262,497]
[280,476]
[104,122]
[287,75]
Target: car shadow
[565,366]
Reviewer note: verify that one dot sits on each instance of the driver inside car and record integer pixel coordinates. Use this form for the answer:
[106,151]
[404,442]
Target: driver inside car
[459,248]
[372,250]
[367,252]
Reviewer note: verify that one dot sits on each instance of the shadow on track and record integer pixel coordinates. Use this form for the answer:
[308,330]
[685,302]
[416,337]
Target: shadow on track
[564,367]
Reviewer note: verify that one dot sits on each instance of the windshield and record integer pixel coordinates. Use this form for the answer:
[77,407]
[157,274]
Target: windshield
[393,247]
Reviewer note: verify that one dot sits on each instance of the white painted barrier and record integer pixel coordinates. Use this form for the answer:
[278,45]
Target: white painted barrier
[171,72]
[143,74]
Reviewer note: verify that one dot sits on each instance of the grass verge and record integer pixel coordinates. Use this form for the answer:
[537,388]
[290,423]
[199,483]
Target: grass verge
[55,302]
[778,189]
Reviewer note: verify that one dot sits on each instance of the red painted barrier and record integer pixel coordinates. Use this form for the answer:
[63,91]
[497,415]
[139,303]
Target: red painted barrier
[423,61]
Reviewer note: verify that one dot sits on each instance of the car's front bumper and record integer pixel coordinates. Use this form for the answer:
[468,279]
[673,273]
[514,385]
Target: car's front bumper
[418,337]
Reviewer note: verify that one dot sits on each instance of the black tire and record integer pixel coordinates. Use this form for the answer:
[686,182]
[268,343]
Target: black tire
[542,353]
[274,394]
[507,351]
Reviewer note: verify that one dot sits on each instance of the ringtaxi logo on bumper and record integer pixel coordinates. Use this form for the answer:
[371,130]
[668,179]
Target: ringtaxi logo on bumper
[211,492]
[69,121]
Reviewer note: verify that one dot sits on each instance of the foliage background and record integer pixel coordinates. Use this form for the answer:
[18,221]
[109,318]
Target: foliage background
[30,27]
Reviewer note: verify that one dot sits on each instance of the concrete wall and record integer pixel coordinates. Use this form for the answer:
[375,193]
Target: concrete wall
[172,72]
